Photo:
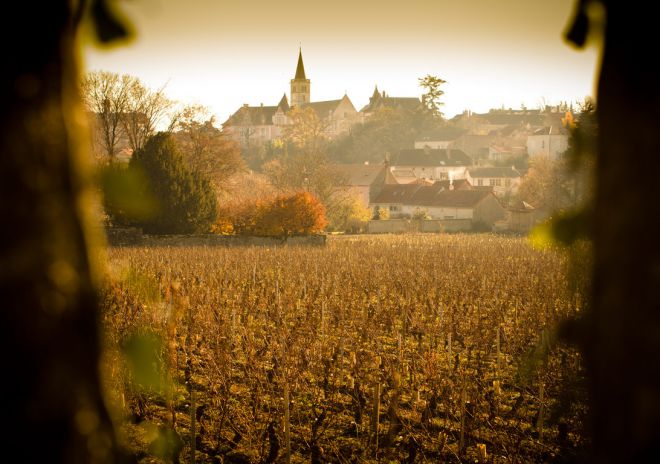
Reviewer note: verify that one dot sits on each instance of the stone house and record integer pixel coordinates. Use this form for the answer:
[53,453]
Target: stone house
[432,164]
[441,201]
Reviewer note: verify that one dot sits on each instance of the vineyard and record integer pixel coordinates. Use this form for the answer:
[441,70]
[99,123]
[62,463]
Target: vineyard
[371,349]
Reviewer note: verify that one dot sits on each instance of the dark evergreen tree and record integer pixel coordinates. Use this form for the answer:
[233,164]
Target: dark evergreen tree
[185,201]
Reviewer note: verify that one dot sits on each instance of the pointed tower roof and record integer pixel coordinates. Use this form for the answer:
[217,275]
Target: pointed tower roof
[284,103]
[376,93]
[300,70]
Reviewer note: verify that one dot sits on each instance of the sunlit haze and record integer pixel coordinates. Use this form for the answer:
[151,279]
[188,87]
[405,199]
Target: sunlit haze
[224,54]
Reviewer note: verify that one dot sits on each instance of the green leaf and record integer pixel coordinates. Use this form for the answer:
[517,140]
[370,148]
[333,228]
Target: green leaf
[143,354]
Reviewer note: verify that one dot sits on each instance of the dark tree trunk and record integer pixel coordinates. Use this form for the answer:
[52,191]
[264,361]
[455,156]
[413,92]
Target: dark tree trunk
[623,326]
[52,403]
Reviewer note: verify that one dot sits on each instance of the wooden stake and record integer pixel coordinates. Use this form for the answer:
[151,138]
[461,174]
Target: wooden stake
[287,424]
[497,342]
[375,419]
[539,424]
[461,443]
[193,424]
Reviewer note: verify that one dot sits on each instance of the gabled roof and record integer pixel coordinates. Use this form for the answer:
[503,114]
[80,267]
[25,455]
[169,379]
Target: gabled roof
[507,172]
[457,184]
[447,133]
[252,116]
[381,100]
[323,108]
[533,117]
[397,194]
[401,176]
[505,131]
[522,207]
[431,157]
[550,130]
[437,195]
[359,174]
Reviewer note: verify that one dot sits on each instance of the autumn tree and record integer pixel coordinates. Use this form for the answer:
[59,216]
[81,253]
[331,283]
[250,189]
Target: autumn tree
[205,148]
[105,95]
[431,96]
[283,215]
[348,214]
[387,131]
[145,110]
[546,185]
[306,132]
[297,214]
[305,164]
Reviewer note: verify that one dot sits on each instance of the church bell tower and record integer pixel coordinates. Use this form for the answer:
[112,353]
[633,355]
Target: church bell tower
[300,85]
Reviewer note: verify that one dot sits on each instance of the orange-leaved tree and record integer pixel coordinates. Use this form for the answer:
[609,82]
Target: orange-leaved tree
[279,216]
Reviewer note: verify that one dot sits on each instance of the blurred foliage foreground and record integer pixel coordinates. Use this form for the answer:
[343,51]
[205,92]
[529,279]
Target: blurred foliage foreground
[396,349]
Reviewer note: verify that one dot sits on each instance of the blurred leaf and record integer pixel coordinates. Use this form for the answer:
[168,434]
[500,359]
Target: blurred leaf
[536,356]
[579,29]
[541,236]
[125,193]
[107,23]
[165,442]
[569,227]
[143,354]
[141,285]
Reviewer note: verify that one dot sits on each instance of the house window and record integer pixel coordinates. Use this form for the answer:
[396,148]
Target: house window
[507,182]
[480,182]
[495,182]
[542,143]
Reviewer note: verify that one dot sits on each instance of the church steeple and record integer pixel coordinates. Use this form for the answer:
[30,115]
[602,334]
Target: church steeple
[300,69]
[300,85]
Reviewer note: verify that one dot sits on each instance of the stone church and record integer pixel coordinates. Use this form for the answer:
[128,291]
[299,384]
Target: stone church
[255,125]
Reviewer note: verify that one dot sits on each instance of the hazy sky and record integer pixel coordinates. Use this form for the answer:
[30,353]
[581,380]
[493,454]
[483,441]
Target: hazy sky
[224,54]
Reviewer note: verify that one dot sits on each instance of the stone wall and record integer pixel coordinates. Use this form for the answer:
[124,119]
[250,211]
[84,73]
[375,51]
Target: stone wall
[134,237]
[124,236]
[398,226]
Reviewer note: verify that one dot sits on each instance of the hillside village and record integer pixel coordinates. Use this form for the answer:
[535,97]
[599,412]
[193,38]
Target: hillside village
[461,175]
[409,170]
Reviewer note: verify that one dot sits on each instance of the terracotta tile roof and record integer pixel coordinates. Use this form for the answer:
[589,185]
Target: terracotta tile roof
[399,194]
[437,195]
